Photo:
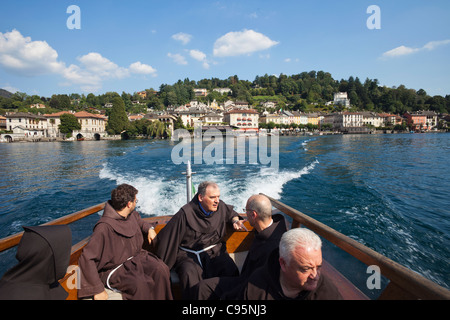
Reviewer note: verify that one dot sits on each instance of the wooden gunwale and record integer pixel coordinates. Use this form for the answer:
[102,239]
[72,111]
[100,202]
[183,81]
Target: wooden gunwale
[404,283]
[13,240]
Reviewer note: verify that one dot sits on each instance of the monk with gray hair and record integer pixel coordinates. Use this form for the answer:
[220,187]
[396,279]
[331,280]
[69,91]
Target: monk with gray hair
[192,243]
[293,272]
[268,231]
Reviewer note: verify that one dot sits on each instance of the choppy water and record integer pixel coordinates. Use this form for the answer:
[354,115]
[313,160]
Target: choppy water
[390,192]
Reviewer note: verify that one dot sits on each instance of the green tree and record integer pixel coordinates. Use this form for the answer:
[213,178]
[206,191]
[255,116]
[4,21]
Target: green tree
[69,123]
[158,129]
[118,119]
[60,101]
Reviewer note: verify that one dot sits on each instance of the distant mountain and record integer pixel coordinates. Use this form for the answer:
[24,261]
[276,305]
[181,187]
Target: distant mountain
[5,94]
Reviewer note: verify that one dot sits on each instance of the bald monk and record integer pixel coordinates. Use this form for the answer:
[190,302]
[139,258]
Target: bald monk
[269,229]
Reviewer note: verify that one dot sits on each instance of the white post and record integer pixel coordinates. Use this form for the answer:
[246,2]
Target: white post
[189,174]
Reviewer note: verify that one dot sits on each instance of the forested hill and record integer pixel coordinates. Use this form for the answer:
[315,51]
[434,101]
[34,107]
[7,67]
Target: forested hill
[5,94]
[306,91]
[299,91]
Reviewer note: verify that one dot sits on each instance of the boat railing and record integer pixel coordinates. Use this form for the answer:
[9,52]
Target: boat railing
[13,240]
[403,283]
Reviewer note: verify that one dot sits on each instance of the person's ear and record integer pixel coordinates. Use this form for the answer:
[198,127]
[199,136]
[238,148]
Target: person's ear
[283,264]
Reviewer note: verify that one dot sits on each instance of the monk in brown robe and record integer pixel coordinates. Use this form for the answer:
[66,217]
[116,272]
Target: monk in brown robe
[192,241]
[43,257]
[292,272]
[114,257]
[269,229]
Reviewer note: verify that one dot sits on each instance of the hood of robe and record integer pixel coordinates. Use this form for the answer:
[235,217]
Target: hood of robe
[200,221]
[126,227]
[43,256]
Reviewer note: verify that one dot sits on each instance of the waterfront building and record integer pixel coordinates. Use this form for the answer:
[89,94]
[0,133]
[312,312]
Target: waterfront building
[416,121]
[53,122]
[93,126]
[313,118]
[346,122]
[2,123]
[390,119]
[270,117]
[372,119]
[27,124]
[244,119]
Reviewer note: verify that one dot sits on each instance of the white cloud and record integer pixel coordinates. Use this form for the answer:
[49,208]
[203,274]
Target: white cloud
[434,44]
[20,55]
[199,56]
[399,51]
[403,50]
[184,38]
[141,68]
[177,58]
[97,64]
[241,42]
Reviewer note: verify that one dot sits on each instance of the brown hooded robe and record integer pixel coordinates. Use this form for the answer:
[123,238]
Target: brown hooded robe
[191,228]
[43,255]
[116,248]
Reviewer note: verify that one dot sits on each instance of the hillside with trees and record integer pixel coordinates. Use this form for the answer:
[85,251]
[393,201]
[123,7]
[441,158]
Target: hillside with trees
[307,91]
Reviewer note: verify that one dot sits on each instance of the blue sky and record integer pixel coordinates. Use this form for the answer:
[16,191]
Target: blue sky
[134,45]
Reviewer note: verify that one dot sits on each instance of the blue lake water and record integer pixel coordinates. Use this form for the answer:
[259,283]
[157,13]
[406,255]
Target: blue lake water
[389,192]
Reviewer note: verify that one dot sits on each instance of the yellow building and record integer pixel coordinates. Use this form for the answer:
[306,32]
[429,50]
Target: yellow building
[313,118]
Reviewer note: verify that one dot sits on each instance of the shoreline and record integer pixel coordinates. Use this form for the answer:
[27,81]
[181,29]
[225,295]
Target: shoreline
[281,134]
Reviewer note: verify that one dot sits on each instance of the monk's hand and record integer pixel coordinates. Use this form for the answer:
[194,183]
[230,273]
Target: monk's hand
[151,235]
[101,296]
[239,225]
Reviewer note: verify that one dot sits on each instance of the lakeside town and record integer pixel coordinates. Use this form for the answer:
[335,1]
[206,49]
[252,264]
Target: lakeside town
[306,103]
[232,116]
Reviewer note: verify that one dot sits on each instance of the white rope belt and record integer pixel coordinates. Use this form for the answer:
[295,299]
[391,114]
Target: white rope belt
[197,253]
[111,273]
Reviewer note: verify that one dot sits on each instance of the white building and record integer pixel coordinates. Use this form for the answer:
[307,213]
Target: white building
[341,98]
[191,118]
[28,124]
[243,119]
[373,119]
[350,122]
[93,126]
[212,119]
[223,90]
[200,92]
